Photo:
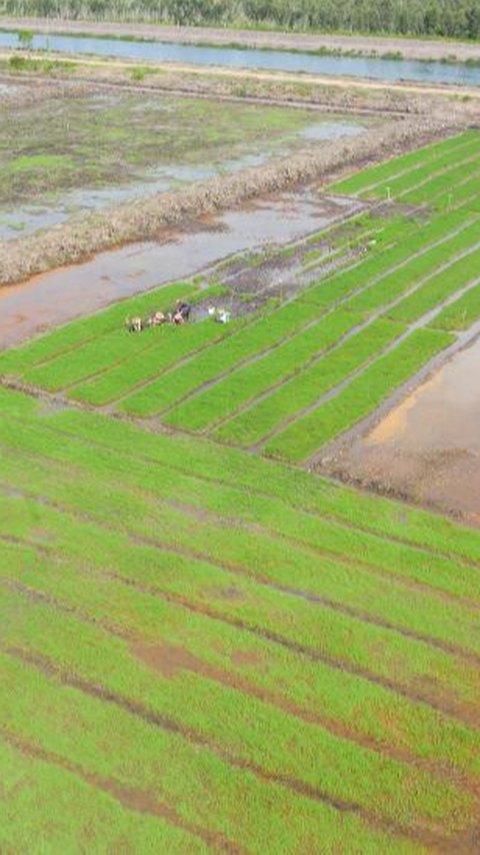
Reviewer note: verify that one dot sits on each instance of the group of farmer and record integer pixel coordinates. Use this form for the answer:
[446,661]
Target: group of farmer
[178,316]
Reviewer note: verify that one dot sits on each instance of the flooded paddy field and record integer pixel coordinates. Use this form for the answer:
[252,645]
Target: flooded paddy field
[427,447]
[86,154]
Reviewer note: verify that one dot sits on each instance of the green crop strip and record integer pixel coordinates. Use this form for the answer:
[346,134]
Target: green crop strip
[362,396]
[58,344]
[439,288]
[363,181]
[394,284]
[249,381]
[460,314]
[198,642]
[438,170]
[160,394]
[262,418]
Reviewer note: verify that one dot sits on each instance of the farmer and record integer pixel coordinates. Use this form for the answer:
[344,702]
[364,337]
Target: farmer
[135,324]
[182,312]
[158,318]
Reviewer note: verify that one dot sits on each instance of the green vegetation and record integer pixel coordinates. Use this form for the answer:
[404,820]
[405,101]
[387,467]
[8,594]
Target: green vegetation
[112,140]
[363,395]
[412,17]
[460,314]
[198,642]
[246,628]
[293,376]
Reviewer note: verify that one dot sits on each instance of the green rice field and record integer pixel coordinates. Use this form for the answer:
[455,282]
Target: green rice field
[204,647]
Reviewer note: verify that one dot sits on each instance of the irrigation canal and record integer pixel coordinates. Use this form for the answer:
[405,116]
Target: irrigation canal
[376,68]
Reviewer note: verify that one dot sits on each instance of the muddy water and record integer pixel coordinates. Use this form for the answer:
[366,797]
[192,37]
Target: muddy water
[50,299]
[28,218]
[428,448]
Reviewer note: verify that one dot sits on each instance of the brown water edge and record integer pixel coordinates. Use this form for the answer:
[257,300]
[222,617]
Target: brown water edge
[427,448]
[50,299]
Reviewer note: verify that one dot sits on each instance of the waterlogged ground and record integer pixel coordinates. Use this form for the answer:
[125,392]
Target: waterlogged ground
[428,447]
[85,154]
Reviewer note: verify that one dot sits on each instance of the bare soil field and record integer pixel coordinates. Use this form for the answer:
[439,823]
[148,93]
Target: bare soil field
[368,45]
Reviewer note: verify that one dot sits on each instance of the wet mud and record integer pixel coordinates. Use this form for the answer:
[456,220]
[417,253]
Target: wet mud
[426,449]
[54,298]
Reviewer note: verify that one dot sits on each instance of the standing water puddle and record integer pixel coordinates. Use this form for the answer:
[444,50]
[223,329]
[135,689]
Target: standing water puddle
[273,60]
[63,294]
[428,447]
[28,218]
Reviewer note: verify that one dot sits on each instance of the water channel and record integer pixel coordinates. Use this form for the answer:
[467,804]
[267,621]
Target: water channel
[273,60]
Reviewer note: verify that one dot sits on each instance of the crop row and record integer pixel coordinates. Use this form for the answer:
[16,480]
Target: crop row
[437,289]
[440,171]
[181,382]
[204,584]
[435,187]
[229,654]
[228,395]
[422,266]
[239,725]
[247,559]
[408,239]
[363,181]
[268,414]
[60,342]
[460,314]
[122,447]
[223,500]
[359,398]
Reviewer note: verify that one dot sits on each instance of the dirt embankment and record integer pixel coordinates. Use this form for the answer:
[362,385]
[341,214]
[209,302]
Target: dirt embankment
[363,45]
[271,86]
[144,219]
[21,92]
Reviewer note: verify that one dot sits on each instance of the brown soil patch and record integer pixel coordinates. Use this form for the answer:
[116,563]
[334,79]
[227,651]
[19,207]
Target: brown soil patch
[242,657]
[166,659]
[427,448]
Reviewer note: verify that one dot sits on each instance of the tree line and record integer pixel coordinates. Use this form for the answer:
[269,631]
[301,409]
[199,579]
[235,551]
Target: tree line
[451,18]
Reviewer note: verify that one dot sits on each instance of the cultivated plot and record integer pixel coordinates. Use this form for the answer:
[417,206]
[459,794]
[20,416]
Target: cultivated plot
[288,379]
[198,643]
